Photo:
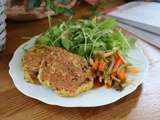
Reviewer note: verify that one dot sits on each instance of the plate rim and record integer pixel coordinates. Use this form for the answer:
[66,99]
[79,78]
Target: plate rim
[63,105]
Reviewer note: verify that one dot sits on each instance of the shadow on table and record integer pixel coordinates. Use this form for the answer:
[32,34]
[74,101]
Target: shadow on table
[116,110]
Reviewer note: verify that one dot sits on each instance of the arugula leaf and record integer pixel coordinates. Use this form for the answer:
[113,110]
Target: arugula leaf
[109,23]
[66,43]
[43,40]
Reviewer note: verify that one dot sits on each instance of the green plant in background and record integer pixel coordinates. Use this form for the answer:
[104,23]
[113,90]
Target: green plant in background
[53,4]
[49,3]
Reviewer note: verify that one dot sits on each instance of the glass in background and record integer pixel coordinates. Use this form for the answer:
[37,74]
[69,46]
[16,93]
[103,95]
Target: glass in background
[2,25]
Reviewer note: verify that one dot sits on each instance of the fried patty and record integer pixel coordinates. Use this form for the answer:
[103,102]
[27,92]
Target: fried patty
[68,73]
[32,60]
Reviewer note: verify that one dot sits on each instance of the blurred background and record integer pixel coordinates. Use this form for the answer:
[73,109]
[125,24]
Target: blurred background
[22,11]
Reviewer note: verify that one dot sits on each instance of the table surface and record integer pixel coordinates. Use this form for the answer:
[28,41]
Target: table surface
[143,104]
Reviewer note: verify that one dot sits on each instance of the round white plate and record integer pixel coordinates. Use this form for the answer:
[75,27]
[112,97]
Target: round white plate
[92,98]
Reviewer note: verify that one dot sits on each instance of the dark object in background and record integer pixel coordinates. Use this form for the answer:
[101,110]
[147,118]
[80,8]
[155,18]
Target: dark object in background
[2,25]
[144,0]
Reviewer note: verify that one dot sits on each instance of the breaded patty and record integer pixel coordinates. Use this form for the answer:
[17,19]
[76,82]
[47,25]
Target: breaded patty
[32,60]
[68,73]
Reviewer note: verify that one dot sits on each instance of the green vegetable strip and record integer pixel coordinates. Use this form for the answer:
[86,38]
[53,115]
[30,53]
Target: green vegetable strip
[116,79]
[85,40]
[112,65]
[124,38]
[49,21]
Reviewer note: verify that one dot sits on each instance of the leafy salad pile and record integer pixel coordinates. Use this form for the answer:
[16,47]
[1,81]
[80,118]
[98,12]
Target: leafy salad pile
[84,37]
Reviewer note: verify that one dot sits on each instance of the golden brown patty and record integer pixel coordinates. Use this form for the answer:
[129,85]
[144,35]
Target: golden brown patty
[32,60]
[68,73]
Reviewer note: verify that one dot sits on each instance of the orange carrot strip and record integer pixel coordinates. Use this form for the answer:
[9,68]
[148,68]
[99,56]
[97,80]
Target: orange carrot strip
[121,56]
[113,73]
[116,57]
[95,64]
[122,74]
[117,64]
[107,85]
[101,66]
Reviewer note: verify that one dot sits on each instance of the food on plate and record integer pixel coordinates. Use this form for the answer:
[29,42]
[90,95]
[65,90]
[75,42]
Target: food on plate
[74,56]
[133,69]
[32,60]
[68,73]
[110,69]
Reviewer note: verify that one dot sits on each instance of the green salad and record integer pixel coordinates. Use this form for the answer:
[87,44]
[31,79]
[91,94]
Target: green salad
[84,37]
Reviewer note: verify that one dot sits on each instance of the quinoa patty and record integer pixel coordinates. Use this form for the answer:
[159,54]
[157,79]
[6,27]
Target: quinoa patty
[68,73]
[32,60]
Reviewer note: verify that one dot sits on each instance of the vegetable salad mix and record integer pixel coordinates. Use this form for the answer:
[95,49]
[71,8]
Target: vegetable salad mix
[101,43]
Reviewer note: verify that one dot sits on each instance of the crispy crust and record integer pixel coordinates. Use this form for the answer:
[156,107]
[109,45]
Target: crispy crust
[69,75]
[58,69]
[83,88]
[32,60]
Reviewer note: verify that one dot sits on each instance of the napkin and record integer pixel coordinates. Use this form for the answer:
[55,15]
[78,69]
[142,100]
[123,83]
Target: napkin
[144,15]
[141,19]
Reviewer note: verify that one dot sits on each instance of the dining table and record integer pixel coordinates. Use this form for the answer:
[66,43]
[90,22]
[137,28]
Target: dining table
[142,104]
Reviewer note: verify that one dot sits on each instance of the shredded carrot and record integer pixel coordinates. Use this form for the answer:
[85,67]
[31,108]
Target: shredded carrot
[108,85]
[98,65]
[97,83]
[117,63]
[101,66]
[121,56]
[113,73]
[122,74]
[117,70]
[116,66]
[116,57]
[95,64]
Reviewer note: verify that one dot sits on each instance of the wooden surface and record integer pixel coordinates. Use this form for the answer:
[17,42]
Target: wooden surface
[143,104]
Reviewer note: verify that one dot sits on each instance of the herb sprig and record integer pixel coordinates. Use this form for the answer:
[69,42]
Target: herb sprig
[84,37]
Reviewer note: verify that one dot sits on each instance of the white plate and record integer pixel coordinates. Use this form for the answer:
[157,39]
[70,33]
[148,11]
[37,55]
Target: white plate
[92,98]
